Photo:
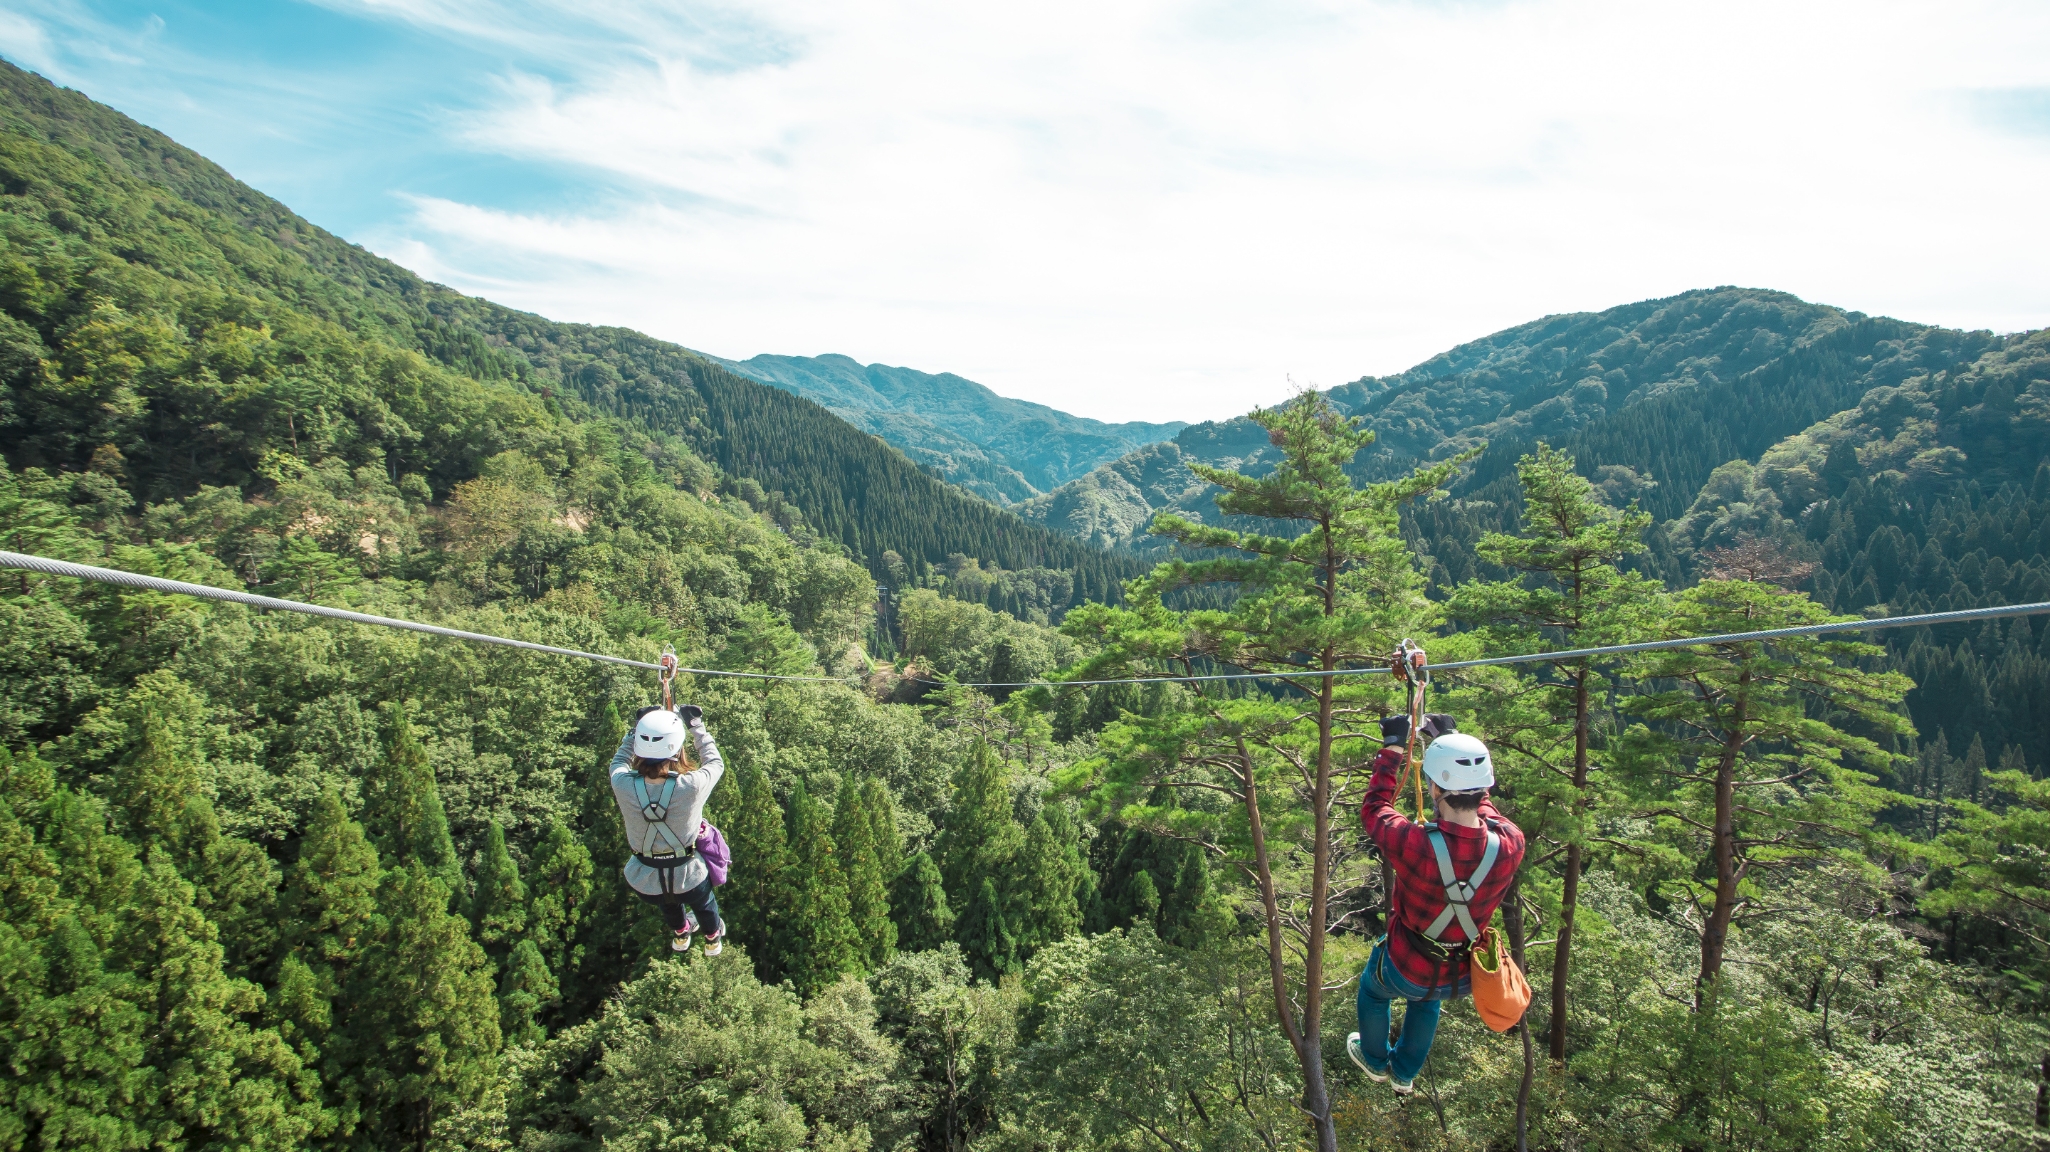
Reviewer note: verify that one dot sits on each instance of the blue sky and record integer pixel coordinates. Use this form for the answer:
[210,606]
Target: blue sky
[1160,209]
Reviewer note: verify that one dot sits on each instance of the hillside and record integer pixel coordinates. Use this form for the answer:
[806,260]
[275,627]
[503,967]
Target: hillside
[1001,449]
[1671,387]
[133,197]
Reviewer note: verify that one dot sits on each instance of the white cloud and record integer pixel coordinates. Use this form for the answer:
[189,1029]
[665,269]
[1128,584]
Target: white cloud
[1164,209]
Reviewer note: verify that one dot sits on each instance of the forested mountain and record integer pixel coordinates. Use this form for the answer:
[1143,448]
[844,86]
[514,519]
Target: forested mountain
[1671,387]
[1001,449]
[136,194]
[274,882]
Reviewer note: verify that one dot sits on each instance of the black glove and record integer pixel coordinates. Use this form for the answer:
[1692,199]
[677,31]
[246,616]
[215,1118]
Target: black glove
[1394,731]
[691,713]
[1437,724]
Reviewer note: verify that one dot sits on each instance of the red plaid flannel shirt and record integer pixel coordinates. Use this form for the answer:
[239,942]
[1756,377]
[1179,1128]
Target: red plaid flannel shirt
[1419,894]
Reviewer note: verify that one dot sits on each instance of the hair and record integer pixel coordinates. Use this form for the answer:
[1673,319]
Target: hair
[1463,801]
[655,769]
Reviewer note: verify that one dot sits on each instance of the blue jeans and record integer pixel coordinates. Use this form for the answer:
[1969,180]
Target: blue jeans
[1380,986]
[702,900]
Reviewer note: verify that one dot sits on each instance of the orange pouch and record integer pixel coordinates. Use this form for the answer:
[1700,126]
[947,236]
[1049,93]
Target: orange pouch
[1500,993]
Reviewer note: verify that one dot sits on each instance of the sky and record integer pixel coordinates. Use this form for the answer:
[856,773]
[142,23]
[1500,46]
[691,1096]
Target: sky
[1149,210]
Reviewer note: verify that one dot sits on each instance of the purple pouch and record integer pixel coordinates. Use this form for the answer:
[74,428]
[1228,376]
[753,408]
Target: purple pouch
[713,850]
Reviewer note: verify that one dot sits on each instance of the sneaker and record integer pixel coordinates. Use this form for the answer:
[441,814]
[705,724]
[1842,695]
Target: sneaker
[680,942]
[1352,1049]
[690,921]
[1402,1087]
[715,943]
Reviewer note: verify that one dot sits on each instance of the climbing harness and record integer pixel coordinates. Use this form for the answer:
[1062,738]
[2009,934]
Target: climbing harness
[1459,893]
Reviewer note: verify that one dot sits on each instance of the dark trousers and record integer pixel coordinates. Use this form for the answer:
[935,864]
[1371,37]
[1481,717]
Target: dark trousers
[701,899]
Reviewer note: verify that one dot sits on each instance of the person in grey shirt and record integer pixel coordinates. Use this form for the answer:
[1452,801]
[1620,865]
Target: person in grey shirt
[661,797]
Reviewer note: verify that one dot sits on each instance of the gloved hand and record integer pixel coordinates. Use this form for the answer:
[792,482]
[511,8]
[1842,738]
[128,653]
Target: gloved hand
[691,713]
[1437,724]
[1394,731]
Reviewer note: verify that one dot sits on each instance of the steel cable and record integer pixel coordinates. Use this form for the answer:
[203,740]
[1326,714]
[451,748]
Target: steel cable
[179,587]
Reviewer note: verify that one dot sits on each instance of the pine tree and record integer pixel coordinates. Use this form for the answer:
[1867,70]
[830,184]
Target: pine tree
[820,939]
[421,1019]
[1569,591]
[918,904]
[984,936]
[498,907]
[404,805]
[1727,718]
[868,897]
[759,899]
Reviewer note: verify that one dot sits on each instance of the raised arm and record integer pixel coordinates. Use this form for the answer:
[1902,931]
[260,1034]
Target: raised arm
[623,758]
[1385,826]
[710,766]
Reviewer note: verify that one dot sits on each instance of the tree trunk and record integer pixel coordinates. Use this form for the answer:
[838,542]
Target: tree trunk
[1562,956]
[1716,933]
[1512,920]
[1310,1054]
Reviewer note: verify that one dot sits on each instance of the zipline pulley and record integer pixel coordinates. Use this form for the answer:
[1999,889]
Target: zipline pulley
[667,671]
[1412,668]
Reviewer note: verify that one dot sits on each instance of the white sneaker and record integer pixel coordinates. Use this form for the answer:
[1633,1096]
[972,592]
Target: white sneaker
[1352,1049]
[715,944]
[1402,1087]
[680,942]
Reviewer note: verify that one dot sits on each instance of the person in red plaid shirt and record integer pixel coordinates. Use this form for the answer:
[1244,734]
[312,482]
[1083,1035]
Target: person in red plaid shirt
[1450,875]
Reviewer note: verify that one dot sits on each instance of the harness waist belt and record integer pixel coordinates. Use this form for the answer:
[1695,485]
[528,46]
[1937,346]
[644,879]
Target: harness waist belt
[665,863]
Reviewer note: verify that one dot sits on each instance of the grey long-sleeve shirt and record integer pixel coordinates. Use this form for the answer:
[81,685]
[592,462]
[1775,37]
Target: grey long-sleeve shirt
[686,809]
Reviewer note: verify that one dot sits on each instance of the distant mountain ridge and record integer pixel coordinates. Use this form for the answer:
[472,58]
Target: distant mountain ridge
[1695,359]
[1001,449]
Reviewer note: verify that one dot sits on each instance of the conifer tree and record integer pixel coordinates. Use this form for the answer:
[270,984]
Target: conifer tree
[421,1020]
[918,904]
[163,786]
[882,814]
[984,937]
[1568,592]
[820,936]
[559,898]
[980,835]
[868,896]
[498,907]
[759,899]
[1339,592]
[524,991]
[210,1077]
[1046,886]
[1728,720]
[1145,900]
[1189,916]
[404,807]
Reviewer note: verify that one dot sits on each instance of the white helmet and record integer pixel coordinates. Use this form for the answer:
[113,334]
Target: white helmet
[659,735]
[1457,762]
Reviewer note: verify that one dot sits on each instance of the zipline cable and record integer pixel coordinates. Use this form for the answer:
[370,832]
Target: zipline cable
[1921,620]
[179,587]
